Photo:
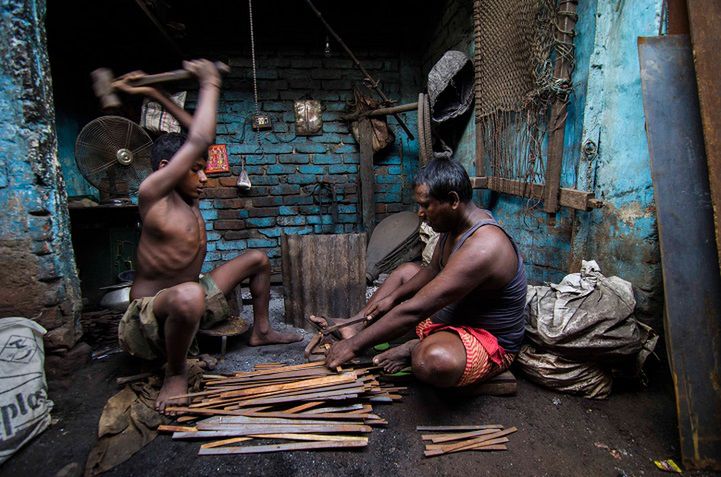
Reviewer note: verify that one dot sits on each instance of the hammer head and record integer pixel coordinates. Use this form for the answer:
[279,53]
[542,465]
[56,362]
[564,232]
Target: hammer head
[103,87]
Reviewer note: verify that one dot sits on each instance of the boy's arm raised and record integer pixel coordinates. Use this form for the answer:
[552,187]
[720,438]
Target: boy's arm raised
[201,134]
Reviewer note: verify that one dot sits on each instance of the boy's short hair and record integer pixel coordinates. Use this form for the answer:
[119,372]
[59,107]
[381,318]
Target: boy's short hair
[443,176]
[165,147]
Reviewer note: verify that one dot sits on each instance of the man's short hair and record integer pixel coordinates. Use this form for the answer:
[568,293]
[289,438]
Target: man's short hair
[165,147]
[443,176]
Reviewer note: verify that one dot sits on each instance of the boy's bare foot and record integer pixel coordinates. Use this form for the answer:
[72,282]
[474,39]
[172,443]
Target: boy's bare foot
[258,338]
[396,358]
[345,332]
[175,385]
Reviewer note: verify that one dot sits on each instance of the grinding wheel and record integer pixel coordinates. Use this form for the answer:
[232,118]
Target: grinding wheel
[425,140]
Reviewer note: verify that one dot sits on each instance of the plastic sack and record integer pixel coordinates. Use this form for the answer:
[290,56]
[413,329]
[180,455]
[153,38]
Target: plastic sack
[587,379]
[24,403]
[586,317]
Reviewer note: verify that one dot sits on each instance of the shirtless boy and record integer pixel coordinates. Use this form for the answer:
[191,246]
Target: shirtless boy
[169,302]
[467,306]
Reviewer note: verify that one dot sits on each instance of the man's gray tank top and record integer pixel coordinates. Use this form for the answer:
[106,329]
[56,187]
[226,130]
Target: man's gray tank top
[500,312]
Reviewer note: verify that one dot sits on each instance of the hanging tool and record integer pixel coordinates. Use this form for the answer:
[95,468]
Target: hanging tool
[104,82]
[260,121]
[372,82]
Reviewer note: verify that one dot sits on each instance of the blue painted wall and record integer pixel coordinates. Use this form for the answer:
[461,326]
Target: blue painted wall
[605,108]
[38,278]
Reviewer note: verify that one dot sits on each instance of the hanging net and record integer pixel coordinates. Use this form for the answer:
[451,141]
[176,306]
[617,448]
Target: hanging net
[516,43]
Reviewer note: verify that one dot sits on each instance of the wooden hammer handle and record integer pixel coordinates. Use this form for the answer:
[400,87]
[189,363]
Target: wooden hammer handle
[174,75]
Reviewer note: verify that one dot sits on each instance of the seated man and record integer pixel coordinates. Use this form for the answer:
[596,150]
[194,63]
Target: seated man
[467,306]
[169,302]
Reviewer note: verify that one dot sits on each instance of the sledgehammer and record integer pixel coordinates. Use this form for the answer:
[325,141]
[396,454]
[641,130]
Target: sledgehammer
[104,82]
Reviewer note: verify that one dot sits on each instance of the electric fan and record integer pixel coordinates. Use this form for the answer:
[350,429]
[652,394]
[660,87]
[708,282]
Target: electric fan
[113,154]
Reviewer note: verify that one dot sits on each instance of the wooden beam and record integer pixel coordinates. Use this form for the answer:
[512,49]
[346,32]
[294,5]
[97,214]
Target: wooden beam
[557,123]
[282,447]
[572,198]
[367,178]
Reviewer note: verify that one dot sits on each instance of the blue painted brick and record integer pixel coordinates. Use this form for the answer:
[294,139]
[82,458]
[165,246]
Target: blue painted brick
[264,180]
[348,209]
[209,214]
[324,159]
[212,236]
[347,218]
[389,160]
[345,148]
[329,138]
[294,159]
[340,106]
[204,204]
[343,169]
[255,160]
[212,256]
[387,179]
[310,169]
[388,197]
[243,213]
[260,243]
[224,245]
[394,170]
[207,266]
[279,148]
[291,220]
[274,253]
[298,200]
[298,230]
[285,189]
[286,210]
[335,127]
[208,226]
[274,232]
[281,169]
[310,148]
[351,159]
[274,106]
[210,247]
[301,179]
[229,255]
[261,221]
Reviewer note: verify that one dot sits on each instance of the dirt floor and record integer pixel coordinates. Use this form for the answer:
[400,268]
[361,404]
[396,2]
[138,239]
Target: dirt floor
[558,435]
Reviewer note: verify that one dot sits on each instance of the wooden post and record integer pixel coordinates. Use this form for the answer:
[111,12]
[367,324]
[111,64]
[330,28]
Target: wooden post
[705,20]
[367,180]
[557,123]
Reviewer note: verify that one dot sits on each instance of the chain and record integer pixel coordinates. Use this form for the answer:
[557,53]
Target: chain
[252,54]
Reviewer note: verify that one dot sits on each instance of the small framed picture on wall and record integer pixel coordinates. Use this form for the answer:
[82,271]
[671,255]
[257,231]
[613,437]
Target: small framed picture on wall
[217,159]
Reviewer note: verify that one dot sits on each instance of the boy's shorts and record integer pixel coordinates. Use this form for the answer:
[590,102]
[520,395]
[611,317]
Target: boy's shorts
[142,336]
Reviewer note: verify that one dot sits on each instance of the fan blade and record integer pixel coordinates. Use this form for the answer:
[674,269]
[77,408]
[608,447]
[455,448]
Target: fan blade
[101,168]
[142,148]
[104,150]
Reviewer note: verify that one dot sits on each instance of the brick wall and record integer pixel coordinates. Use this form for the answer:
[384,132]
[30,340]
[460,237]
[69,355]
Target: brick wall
[284,177]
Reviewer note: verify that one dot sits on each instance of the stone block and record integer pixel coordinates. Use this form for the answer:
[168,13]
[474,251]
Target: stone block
[231,235]
[63,337]
[263,212]
[228,224]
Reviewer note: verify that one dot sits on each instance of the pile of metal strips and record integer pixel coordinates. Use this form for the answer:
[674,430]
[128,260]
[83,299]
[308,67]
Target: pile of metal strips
[448,439]
[280,408]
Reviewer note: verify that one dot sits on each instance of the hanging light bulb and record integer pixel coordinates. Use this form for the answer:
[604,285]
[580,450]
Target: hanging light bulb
[326,50]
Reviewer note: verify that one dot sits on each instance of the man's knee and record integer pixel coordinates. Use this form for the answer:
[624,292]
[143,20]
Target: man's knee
[186,303]
[259,259]
[437,365]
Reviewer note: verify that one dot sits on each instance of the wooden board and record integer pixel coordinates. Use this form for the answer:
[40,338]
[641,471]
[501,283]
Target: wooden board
[704,18]
[691,281]
[331,283]
[282,447]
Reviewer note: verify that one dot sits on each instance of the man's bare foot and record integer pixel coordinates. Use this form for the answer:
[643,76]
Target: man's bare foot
[397,358]
[258,338]
[176,385]
[345,332]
